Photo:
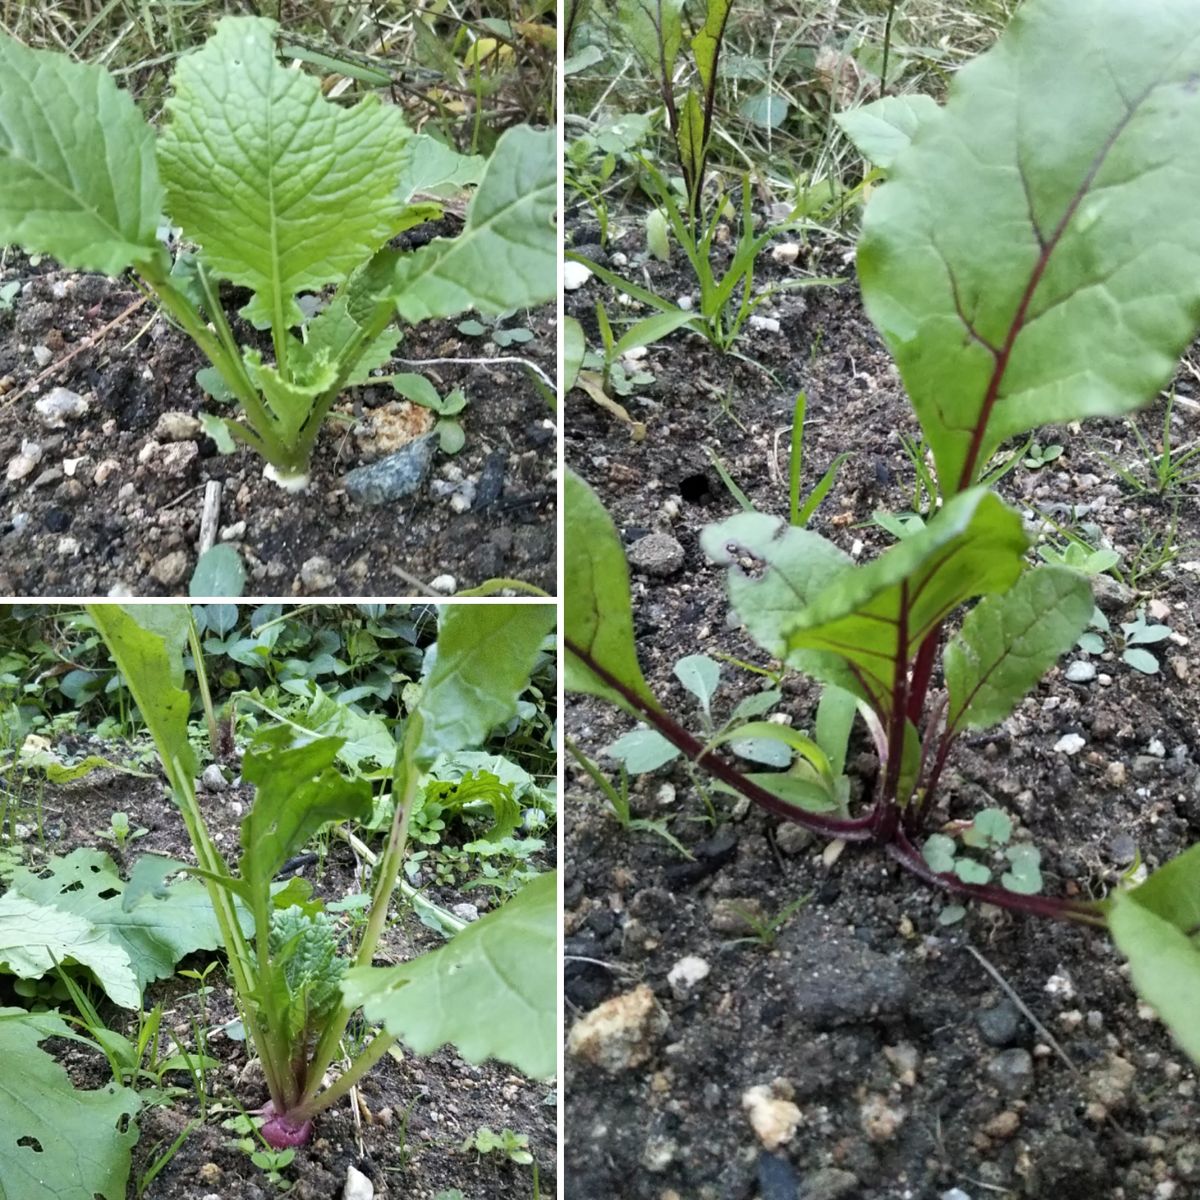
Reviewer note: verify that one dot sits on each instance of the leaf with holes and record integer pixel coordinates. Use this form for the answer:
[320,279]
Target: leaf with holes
[56,1141]
[1034,257]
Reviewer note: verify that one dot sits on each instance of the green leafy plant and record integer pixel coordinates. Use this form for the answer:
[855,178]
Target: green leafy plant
[1040,456]
[87,180]
[295,991]
[1135,636]
[120,831]
[1164,470]
[513,1146]
[995,335]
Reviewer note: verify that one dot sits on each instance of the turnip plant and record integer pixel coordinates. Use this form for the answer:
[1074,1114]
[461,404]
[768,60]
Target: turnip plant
[490,991]
[1033,256]
[284,193]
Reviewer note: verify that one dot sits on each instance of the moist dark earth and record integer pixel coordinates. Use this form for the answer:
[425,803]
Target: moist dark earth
[112,505]
[446,1099]
[905,1045]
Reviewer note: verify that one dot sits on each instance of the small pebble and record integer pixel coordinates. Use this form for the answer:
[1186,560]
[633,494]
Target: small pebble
[656,554]
[23,464]
[620,1034]
[786,252]
[1012,1072]
[171,569]
[1070,743]
[686,973]
[59,407]
[574,276]
[766,324]
[444,585]
[42,355]
[1080,672]
[358,1186]
[771,1113]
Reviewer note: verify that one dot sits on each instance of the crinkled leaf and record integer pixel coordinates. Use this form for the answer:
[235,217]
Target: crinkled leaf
[1155,926]
[147,642]
[57,1143]
[326,336]
[882,130]
[597,607]
[291,402]
[297,790]
[77,173]
[34,937]
[1009,641]
[506,255]
[156,930]
[284,190]
[1034,257]
[476,672]
[491,991]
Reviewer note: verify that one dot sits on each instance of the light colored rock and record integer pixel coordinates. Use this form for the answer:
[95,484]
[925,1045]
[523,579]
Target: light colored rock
[880,1119]
[317,574]
[213,778]
[771,1112]
[60,406]
[574,276]
[444,585]
[23,464]
[1080,672]
[1070,744]
[231,533]
[43,355]
[686,973]
[766,324]
[465,912]
[176,427]
[105,470]
[358,1186]
[621,1033]
[1003,1125]
[1111,1082]
[786,253]
[171,569]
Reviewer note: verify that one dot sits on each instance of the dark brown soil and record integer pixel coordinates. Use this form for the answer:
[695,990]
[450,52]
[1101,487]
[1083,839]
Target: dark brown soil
[66,534]
[875,1018]
[446,1098]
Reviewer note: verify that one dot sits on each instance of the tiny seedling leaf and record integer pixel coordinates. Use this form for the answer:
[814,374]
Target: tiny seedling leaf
[991,827]
[642,750]
[1025,870]
[701,676]
[218,572]
[1140,660]
[938,851]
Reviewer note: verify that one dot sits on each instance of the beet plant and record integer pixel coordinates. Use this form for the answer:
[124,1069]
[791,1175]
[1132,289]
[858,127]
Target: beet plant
[1033,256]
[490,991]
[285,194]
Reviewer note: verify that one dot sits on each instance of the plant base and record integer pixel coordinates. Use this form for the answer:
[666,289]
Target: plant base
[281,1132]
[289,482]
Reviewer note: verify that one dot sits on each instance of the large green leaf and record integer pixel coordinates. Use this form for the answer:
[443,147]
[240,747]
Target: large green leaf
[883,129]
[598,612]
[147,643]
[77,173]
[1157,927]
[1009,641]
[1035,254]
[297,790]
[654,28]
[477,672]
[506,256]
[57,1143]
[35,938]
[706,45]
[154,926]
[284,190]
[491,991]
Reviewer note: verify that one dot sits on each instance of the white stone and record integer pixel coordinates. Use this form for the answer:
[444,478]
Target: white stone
[60,406]
[575,275]
[766,324]
[358,1186]
[773,1117]
[786,253]
[1070,743]
[687,972]
[42,355]
[444,585]
[23,464]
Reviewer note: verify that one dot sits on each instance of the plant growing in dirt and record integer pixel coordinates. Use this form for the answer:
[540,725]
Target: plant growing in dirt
[284,193]
[1031,259]
[295,988]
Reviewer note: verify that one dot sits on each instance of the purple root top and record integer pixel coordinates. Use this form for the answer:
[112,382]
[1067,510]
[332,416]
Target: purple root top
[280,1131]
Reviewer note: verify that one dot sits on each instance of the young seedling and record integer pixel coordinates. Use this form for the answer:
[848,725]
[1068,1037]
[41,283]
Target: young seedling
[285,194]
[1027,262]
[295,985]
[120,832]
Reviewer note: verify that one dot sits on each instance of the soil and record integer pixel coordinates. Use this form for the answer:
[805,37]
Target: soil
[446,1099]
[108,510]
[905,1045]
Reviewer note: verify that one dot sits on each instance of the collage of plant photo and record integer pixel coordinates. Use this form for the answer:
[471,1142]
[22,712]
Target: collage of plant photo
[598,600]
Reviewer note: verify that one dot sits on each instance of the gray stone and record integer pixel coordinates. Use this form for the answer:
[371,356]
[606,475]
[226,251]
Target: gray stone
[317,574]
[829,1184]
[777,1178]
[171,569]
[792,839]
[656,554]
[1012,1072]
[1080,672]
[213,778]
[394,477]
[1112,596]
[60,406]
[999,1025]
